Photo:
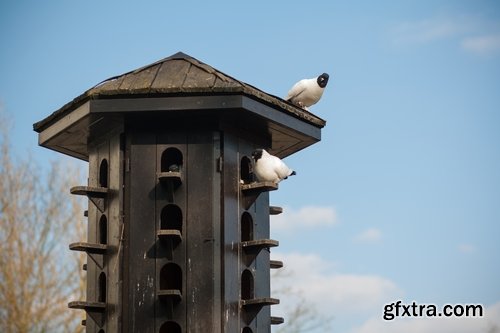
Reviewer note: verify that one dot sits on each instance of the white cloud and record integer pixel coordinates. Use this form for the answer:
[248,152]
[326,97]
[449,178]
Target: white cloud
[344,295]
[371,235]
[305,217]
[350,297]
[466,248]
[471,33]
[482,44]
[428,30]
[487,323]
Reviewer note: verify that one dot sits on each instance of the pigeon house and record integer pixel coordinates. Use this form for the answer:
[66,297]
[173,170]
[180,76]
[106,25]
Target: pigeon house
[178,230]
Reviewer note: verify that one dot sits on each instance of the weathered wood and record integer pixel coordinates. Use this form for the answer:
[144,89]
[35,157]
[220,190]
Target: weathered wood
[172,294]
[275,264]
[170,251]
[171,75]
[140,82]
[173,235]
[275,210]
[87,306]
[277,320]
[175,178]
[198,78]
[177,243]
[94,309]
[231,254]
[259,187]
[141,235]
[263,301]
[259,244]
[200,231]
[88,247]
[90,191]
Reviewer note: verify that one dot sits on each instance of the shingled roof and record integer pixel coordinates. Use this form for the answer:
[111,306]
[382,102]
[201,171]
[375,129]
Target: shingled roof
[178,74]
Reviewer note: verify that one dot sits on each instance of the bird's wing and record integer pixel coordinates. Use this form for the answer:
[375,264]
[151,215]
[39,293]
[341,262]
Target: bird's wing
[281,169]
[297,89]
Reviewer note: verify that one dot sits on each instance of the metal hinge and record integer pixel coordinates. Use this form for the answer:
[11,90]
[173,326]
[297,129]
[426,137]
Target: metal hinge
[127,164]
[220,164]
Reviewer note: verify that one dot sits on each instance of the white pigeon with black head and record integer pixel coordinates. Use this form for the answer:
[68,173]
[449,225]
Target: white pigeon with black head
[269,168]
[308,92]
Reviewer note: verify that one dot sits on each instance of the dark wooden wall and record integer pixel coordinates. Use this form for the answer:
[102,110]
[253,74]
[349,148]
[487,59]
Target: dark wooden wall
[206,253]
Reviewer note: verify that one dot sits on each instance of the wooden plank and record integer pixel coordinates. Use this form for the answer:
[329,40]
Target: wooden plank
[263,301]
[282,118]
[259,244]
[291,133]
[115,228]
[275,210]
[173,294]
[162,104]
[140,82]
[88,306]
[259,187]
[169,234]
[200,229]
[226,86]
[171,75]
[171,252]
[198,78]
[78,116]
[92,237]
[275,264]
[141,271]
[108,87]
[262,261]
[90,191]
[231,218]
[88,247]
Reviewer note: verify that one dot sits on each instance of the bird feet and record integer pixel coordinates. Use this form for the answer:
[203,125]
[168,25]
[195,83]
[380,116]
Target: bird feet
[302,106]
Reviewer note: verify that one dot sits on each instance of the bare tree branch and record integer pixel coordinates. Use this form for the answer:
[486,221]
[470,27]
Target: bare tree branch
[37,219]
[301,316]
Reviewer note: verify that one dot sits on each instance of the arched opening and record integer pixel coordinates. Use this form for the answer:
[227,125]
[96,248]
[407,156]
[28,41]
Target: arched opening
[246,227]
[171,277]
[247,289]
[102,288]
[246,174]
[170,327]
[103,173]
[103,230]
[171,160]
[246,330]
[171,218]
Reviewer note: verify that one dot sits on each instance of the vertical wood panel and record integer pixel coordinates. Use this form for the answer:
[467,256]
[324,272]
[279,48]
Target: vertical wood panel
[199,235]
[231,248]
[258,264]
[103,154]
[166,310]
[93,213]
[113,267]
[262,269]
[141,243]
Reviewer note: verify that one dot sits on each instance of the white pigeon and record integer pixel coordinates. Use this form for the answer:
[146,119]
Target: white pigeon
[308,92]
[269,168]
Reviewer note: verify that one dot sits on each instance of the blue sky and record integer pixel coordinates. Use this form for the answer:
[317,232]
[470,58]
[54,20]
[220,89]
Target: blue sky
[400,199]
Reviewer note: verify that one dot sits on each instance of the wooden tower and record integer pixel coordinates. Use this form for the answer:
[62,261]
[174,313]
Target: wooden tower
[178,231]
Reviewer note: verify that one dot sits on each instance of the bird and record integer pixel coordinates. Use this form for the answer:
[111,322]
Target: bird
[269,168]
[174,168]
[308,92]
